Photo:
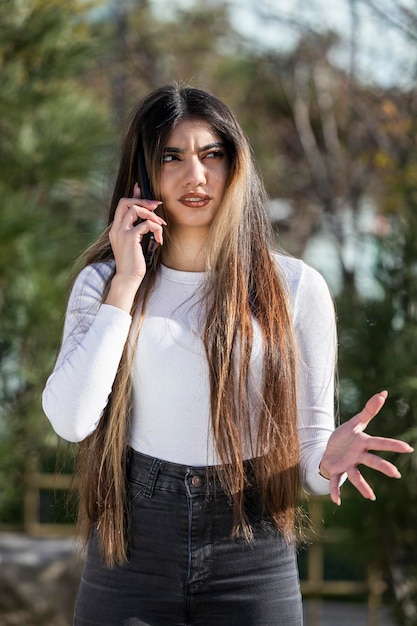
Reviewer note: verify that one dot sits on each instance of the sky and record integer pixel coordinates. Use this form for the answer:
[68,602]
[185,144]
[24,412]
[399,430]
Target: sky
[382,50]
[383,53]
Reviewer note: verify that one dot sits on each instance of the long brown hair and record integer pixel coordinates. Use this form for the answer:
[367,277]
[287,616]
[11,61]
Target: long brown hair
[243,284]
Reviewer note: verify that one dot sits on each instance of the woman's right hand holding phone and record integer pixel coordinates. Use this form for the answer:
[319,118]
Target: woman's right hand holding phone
[125,236]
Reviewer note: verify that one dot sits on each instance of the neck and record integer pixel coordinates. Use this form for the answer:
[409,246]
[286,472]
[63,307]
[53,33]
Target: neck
[186,250]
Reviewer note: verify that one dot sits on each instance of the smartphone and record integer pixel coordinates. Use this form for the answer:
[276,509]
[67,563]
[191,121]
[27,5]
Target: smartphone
[149,243]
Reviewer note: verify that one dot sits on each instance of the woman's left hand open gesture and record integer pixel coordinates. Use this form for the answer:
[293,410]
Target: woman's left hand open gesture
[349,446]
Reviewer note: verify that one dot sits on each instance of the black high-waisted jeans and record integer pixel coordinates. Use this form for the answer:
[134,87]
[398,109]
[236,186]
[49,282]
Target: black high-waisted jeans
[184,569]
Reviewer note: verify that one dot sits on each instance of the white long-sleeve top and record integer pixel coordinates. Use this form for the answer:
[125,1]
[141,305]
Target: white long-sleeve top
[171,398]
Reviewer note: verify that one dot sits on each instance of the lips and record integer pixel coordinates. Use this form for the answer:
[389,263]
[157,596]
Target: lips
[195,200]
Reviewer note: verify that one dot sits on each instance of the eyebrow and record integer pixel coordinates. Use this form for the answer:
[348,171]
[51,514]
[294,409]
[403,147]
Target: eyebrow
[209,146]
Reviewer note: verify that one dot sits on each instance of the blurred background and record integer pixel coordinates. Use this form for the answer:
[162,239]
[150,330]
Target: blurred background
[326,92]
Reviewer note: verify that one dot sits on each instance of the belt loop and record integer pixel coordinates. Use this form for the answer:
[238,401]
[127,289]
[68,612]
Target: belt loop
[153,475]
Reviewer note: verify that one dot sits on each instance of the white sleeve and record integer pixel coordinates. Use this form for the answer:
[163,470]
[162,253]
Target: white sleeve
[315,329]
[78,389]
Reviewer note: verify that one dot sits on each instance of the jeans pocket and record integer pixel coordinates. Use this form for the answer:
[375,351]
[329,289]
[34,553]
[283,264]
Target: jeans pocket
[135,491]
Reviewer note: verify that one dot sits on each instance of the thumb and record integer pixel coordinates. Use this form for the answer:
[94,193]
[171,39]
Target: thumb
[371,408]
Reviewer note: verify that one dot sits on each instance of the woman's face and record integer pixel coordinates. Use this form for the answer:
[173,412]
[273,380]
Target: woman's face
[194,173]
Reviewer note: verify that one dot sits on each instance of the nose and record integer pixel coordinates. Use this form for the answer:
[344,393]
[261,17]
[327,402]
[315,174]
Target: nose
[195,173]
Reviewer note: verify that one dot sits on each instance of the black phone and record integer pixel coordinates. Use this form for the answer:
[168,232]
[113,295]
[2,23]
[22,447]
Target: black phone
[149,243]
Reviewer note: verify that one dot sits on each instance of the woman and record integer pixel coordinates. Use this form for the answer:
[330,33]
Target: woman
[199,385]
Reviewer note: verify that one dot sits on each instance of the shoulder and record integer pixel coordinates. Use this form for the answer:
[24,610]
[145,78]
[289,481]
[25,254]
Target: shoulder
[96,274]
[305,285]
[298,275]
[91,280]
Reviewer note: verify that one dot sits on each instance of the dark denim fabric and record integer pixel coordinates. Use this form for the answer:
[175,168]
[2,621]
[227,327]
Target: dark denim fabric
[184,569]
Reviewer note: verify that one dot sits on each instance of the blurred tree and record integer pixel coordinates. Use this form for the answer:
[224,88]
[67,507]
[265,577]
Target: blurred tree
[51,131]
[143,50]
[378,347]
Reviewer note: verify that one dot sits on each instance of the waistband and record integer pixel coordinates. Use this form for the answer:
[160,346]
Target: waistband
[154,472]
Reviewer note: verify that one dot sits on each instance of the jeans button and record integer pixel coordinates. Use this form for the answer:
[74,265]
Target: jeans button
[196,481]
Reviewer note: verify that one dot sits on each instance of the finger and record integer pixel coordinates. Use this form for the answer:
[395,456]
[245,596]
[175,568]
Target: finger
[156,229]
[145,213]
[132,215]
[145,226]
[374,405]
[360,483]
[380,465]
[334,489]
[371,408]
[136,191]
[386,444]
[125,204]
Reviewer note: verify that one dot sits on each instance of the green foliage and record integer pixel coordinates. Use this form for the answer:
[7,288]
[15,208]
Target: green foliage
[378,350]
[50,128]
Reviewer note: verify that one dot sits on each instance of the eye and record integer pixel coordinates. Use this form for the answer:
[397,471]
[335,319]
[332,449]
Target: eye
[214,154]
[169,157]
